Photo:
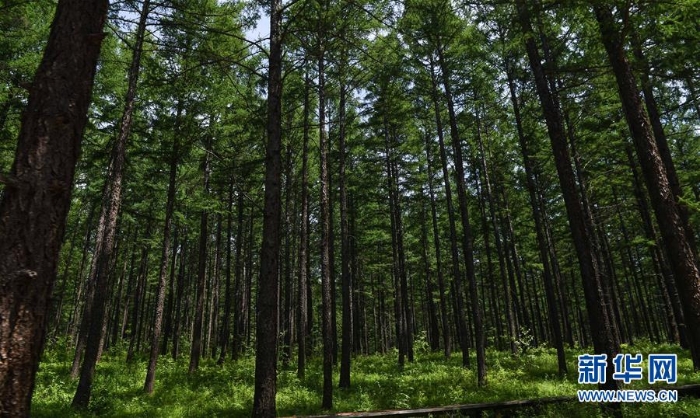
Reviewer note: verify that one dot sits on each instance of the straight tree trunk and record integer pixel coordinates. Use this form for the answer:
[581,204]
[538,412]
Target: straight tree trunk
[196,349]
[346,278]
[239,314]
[549,286]
[433,331]
[264,404]
[326,285]
[111,204]
[398,256]
[164,259]
[456,271]
[74,318]
[302,315]
[662,142]
[139,302]
[603,340]
[214,291]
[247,304]
[37,194]
[118,298]
[668,214]
[224,338]
[467,236]
[56,307]
[89,286]
[438,254]
[658,254]
[177,321]
[490,203]
[287,319]
[168,315]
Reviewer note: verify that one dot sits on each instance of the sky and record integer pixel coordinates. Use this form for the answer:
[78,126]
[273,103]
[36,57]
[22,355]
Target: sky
[261,30]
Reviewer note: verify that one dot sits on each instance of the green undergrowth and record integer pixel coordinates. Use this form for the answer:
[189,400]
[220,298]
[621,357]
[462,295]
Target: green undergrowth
[377,384]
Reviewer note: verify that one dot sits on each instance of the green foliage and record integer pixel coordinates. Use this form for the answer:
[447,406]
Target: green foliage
[24,27]
[377,384]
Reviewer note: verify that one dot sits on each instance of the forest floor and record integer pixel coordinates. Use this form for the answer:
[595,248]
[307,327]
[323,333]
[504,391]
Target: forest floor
[377,384]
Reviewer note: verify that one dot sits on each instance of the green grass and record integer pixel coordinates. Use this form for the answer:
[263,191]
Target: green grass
[377,384]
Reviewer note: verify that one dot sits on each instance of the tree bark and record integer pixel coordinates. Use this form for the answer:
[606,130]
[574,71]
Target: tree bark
[264,404]
[673,231]
[164,259]
[196,349]
[346,278]
[303,283]
[454,251]
[447,349]
[467,236]
[239,314]
[399,259]
[662,142]
[177,321]
[603,340]
[288,287]
[37,193]
[225,338]
[326,286]
[110,207]
[549,286]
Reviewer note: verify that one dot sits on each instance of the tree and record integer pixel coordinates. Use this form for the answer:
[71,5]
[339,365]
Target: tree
[267,310]
[111,204]
[603,340]
[666,207]
[37,192]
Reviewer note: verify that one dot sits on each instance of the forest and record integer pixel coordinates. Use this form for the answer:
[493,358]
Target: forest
[286,207]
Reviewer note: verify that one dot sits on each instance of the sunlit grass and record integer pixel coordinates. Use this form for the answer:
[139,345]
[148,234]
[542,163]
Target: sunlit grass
[377,384]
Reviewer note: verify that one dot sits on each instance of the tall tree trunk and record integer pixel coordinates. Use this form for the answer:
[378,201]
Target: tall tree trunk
[401,310]
[287,320]
[226,326]
[454,252]
[170,303]
[89,285]
[239,314]
[326,285]
[74,318]
[164,259]
[433,330]
[668,215]
[438,254]
[346,278]
[657,253]
[196,349]
[549,285]
[467,237]
[264,404]
[247,301]
[494,305]
[490,203]
[662,142]
[111,204]
[303,283]
[177,321]
[37,194]
[118,298]
[57,306]
[214,292]
[138,302]
[603,340]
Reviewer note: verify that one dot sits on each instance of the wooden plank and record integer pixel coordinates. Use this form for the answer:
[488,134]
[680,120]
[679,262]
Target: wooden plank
[685,390]
[466,408]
